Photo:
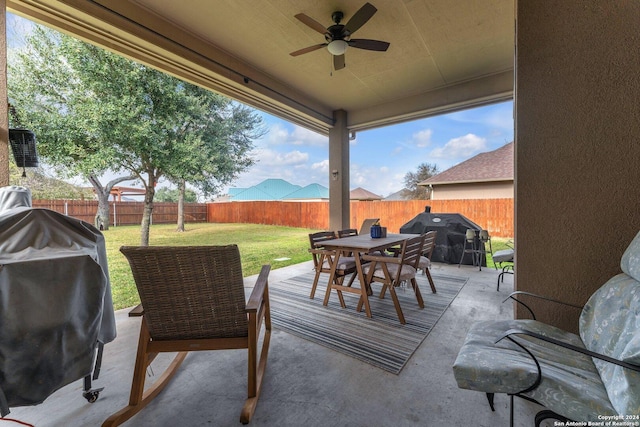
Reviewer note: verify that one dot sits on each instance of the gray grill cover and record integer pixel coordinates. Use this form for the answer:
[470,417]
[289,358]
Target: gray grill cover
[55,299]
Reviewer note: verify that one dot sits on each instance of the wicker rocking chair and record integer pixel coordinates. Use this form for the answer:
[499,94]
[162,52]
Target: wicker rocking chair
[192,298]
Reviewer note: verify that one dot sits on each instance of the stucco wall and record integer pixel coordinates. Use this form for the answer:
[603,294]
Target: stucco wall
[577,146]
[483,190]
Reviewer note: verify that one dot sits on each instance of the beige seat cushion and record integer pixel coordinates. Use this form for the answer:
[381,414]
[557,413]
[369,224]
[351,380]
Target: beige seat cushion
[344,263]
[407,273]
[424,263]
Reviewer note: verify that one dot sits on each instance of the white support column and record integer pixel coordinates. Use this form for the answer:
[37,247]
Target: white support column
[339,209]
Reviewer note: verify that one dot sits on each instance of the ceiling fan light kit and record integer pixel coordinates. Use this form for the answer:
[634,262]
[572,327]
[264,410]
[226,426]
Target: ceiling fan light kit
[337,47]
[338,36]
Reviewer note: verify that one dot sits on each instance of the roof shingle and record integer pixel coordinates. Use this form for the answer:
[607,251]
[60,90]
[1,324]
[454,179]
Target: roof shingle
[496,165]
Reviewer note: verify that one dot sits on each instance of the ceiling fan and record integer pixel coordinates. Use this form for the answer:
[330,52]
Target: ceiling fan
[338,36]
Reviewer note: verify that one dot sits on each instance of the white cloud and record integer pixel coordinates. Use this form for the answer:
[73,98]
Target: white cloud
[461,147]
[381,180]
[322,166]
[276,135]
[302,136]
[422,138]
[279,134]
[267,157]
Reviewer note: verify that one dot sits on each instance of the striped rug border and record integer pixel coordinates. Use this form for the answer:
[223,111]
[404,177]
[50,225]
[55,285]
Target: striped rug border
[380,341]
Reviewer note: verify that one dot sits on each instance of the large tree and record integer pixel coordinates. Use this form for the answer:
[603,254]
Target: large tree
[94,111]
[411,180]
[171,195]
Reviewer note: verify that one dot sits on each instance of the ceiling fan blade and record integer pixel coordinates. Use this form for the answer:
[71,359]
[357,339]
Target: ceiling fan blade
[311,23]
[359,18]
[308,49]
[338,62]
[367,44]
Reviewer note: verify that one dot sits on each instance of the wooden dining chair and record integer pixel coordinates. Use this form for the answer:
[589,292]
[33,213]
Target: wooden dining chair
[365,228]
[192,298]
[392,271]
[347,232]
[323,260]
[425,259]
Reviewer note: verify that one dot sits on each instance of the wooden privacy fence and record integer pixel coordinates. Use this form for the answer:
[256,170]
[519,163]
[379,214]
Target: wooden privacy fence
[125,213]
[495,215]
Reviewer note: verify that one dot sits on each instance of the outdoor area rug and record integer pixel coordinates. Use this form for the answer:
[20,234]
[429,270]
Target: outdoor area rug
[381,340]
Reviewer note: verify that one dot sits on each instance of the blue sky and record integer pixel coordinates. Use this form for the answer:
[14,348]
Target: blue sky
[380,158]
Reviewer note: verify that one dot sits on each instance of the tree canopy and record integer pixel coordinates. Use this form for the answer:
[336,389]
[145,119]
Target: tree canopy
[165,194]
[411,179]
[94,111]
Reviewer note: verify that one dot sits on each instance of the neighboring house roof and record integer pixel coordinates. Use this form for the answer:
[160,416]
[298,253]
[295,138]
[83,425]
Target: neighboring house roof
[496,165]
[396,196]
[362,194]
[269,189]
[311,191]
[253,193]
[277,188]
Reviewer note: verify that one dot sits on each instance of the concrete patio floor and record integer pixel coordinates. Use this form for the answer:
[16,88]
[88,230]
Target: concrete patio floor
[305,384]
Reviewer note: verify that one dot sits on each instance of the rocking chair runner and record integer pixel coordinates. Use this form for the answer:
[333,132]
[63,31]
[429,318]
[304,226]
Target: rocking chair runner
[193,299]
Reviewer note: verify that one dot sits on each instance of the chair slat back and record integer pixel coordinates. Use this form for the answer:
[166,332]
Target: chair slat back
[190,292]
[429,243]
[316,241]
[412,249]
[347,232]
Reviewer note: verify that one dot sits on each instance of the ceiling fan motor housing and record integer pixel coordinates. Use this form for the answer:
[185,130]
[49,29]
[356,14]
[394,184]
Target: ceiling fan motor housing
[338,36]
[336,32]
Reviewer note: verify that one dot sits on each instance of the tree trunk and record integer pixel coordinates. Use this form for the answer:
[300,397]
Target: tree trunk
[181,189]
[102,214]
[102,194]
[146,214]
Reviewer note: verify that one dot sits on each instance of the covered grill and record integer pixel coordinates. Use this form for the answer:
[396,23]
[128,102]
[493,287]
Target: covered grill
[56,311]
[451,228]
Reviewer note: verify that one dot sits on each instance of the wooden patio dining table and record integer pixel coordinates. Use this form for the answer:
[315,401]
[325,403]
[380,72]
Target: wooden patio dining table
[358,245]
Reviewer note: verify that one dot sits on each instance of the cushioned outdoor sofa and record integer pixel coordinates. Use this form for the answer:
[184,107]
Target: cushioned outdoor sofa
[593,376]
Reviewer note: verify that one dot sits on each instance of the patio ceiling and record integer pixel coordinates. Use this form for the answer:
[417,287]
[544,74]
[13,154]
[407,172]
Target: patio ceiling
[444,55]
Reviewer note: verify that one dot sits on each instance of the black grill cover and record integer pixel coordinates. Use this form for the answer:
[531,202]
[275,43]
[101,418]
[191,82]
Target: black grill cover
[451,228]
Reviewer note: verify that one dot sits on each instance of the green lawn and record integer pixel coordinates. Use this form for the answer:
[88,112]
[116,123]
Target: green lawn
[259,245]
